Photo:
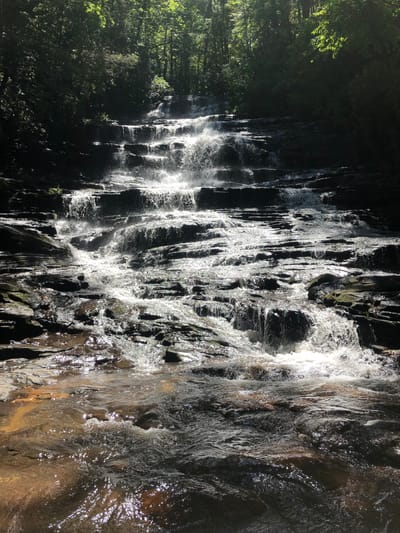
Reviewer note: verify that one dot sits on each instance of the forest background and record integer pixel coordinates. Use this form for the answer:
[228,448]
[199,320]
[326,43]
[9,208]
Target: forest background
[64,63]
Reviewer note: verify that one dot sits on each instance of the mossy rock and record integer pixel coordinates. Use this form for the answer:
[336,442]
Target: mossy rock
[344,297]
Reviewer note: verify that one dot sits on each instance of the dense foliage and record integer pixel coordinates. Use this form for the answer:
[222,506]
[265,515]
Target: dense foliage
[63,61]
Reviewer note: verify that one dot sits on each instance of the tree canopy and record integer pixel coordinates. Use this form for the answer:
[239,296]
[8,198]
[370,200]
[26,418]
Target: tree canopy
[66,61]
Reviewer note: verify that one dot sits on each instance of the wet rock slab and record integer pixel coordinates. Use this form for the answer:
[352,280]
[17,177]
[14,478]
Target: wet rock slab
[18,239]
[371,301]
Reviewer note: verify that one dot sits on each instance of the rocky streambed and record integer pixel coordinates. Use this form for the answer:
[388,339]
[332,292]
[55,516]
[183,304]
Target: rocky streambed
[200,333]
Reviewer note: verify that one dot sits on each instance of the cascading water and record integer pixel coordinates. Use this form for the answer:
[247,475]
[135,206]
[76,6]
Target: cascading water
[231,401]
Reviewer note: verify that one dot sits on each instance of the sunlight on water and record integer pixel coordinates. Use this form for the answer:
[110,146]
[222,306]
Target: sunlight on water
[164,198]
[81,204]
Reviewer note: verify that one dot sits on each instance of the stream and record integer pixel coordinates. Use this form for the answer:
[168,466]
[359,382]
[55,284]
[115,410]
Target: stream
[196,386]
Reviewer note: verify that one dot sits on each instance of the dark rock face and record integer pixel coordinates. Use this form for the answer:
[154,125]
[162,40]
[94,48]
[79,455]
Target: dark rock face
[378,332]
[244,197]
[171,356]
[14,328]
[134,160]
[39,201]
[371,301]
[126,201]
[14,351]
[227,155]
[137,149]
[216,309]
[385,258]
[376,193]
[263,283]
[21,240]
[17,318]
[62,283]
[275,328]
[285,327]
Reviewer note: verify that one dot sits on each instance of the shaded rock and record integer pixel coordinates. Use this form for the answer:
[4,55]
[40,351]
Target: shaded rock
[148,420]
[172,356]
[374,331]
[384,258]
[178,146]
[18,329]
[7,189]
[149,316]
[139,238]
[37,201]
[161,148]
[229,285]
[137,149]
[93,241]
[134,160]
[21,351]
[243,197]
[227,372]
[228,155]
[18,239]
[285,327]
[260,373]
[377,193]
[61,283]
[252,372]
[275,328]
[17,322]
[122,203]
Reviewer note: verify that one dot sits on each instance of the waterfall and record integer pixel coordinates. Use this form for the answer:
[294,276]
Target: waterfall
[208,352]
